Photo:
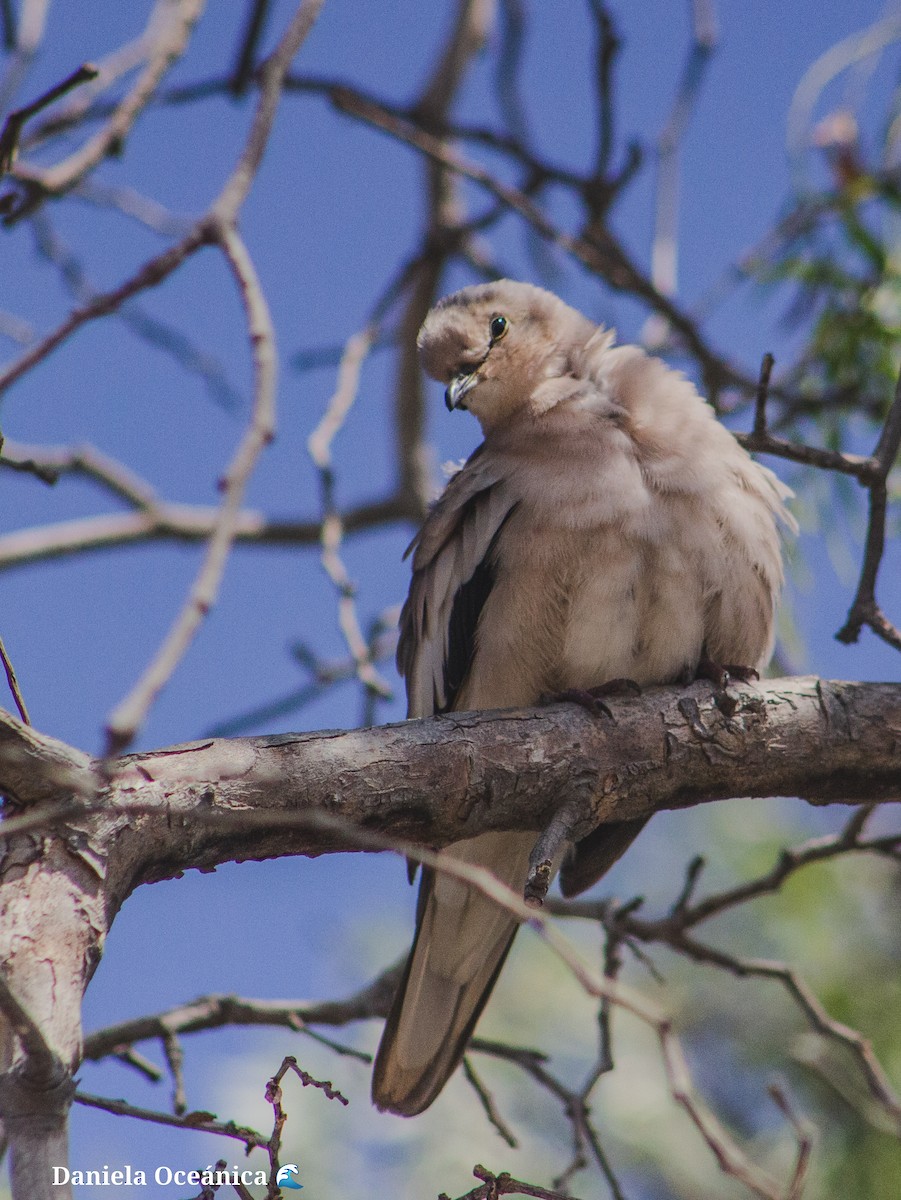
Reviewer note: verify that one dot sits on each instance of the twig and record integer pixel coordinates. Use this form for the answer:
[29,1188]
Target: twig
[170,44]
[131,1058]
[130,713]
[152,273]
[130,203]
[607,46]
[504,1184]
[217,1012]
[487,1102]
[319,446]
[289,1063]
[731,1159]
[185,523]
[665,244]
[8,21]
[202,1122]
[13,683]
[763,389]
[127,717]
[865,610]
[803,1135]
[245,60]
[12,126]
[175,1060]
[548,849]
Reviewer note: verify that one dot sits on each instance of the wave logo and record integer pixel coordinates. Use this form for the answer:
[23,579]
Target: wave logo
[285,1177]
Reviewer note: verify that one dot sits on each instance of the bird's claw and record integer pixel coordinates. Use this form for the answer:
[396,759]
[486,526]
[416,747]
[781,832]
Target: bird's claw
[591,699]
[722,674]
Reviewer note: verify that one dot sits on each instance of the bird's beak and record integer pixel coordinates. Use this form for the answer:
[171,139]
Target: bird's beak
[457,389]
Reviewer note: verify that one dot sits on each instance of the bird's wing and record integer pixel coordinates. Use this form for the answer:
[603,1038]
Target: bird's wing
[453,572]
[462,937]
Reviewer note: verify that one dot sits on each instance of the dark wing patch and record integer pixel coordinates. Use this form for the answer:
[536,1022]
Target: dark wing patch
[454,568]
[464,619]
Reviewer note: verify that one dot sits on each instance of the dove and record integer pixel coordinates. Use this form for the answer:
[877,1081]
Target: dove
[607,528]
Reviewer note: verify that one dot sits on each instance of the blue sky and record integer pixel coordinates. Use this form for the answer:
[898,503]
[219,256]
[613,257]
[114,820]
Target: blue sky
[334,209]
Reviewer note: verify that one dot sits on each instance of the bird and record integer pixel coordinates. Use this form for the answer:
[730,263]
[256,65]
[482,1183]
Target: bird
[608,527]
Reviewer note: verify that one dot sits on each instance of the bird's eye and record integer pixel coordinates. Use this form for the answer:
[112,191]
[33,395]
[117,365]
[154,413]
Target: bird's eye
[497,328]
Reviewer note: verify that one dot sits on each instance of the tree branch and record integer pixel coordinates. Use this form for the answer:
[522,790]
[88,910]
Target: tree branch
[437,780]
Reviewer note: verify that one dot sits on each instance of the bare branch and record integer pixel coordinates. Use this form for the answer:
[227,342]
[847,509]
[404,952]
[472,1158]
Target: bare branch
[170,43]
[672,931]
[665,244]
[319,445]
[245,61]
[488,1105]
[12,126]
[865,610]
[184,523]
[13,683]
[130,713]
[272,76]
[216,1012]
[202,1122]
[151,274]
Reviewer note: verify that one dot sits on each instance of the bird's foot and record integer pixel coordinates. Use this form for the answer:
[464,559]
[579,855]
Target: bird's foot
[722,674]
[592,699]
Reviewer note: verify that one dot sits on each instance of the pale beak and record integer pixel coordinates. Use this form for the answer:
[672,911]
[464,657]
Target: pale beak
[457,388]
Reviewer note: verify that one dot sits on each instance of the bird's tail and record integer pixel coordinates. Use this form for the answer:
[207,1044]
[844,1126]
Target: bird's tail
[462,939]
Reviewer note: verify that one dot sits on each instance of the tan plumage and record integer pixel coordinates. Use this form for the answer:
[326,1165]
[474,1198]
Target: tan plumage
[607,527]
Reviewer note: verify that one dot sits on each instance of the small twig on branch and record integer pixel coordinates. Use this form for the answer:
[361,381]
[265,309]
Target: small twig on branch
[219,226]
[548,849]
[487,1102]
[131,1058]
[245,60]
[804,1135]
[175,1061]
[763,390]
[319,445]
[50,463]
[865,610]
[494,1186]
[129,714]
[665,245]
[672,930]
[217,1012]
[13,683]
[289,1063]
[202,1122]
[12,126]
[171,41]
[8,22]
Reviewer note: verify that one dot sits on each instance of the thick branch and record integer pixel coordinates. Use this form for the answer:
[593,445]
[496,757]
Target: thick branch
[438,780]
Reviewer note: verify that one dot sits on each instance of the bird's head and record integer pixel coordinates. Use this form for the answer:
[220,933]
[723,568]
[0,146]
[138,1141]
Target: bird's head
[497,346]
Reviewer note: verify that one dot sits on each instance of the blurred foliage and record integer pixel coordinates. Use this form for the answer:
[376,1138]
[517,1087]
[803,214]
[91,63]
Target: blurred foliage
[839,252]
